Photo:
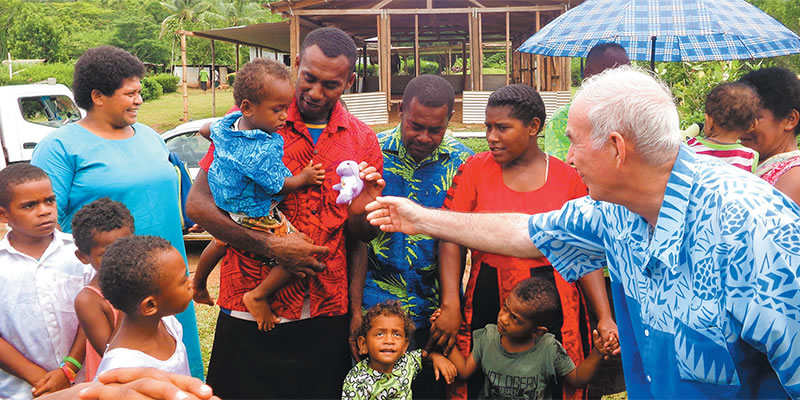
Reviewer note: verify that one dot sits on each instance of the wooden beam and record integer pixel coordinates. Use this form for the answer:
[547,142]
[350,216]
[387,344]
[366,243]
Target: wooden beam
[213,81]
[416,45]
[423,11]
[480,51]
[183,78]
[508,48]
[539,59]
[429,4]
[294,5]
[237,56]
[477,3]
[464,64]
[381,4]
[294,44]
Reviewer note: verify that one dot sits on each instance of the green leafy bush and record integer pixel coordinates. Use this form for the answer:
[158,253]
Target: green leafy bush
[231,78]
[372,69]
[425,67]
[151,89]
[168,82]
[33,73]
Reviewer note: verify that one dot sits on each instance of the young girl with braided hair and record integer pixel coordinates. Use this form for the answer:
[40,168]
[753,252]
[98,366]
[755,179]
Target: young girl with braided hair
[515,175]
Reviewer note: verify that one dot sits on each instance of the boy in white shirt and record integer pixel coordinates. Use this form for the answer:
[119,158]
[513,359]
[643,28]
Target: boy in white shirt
[145,278]
[41,347]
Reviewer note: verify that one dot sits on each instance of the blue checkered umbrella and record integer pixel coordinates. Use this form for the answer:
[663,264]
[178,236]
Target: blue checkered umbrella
[682,30]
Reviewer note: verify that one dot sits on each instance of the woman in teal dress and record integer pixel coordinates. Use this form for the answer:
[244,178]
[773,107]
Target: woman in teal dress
[108,154]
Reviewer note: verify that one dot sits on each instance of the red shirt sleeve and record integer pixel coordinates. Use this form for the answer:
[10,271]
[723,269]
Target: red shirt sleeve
[462,194]
[205,163]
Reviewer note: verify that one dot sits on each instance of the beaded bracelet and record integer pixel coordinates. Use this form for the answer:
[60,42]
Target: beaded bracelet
[73,362]
[70,374]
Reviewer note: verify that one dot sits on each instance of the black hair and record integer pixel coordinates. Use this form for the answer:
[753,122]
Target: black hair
[733,106]
[387,308]
[253,79]
[333,42]
[541,296]
[17,174]
[100,216]
[103,68]
[430,91]
[601,48]
[130,270]
[778,89]
[525,102]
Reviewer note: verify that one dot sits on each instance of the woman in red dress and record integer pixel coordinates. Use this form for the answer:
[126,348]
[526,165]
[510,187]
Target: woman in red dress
[517,176]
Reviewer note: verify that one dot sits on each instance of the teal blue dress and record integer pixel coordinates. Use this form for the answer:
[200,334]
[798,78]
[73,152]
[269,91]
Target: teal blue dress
[135,171]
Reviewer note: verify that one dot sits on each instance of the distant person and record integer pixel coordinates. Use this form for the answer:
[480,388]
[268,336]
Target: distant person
[41,349]
[203,79]
[775,135]
[731,111]
[703,260]
[144,277]
[95,227]
[519,355]
[312,338]
[515,175]
[419,159]
[388,369]
[109,154]
[248,178]
[600,58]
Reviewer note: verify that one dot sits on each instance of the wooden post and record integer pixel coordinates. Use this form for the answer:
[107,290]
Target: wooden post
[539,59]
[416,45]
[183,72]
[237,56]
[508,48]
[214,81]
[385,56]
[365,70]
[294,43]
[464,64]
[479,63]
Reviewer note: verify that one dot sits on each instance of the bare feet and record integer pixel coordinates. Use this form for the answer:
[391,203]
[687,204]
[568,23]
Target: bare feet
[261,310]
[202,296]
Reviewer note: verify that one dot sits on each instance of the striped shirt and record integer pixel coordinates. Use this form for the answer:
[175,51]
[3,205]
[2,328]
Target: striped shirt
[734,154]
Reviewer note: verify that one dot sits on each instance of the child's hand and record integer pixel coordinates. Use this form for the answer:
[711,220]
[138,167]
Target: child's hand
[442,366]
[52,381]
[313,174]
[436,315]
[607,348]
[201,294]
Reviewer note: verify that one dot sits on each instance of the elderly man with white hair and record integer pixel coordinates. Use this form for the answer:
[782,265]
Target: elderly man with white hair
[703,257]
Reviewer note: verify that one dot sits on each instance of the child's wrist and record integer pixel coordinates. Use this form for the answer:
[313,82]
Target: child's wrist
[69,373]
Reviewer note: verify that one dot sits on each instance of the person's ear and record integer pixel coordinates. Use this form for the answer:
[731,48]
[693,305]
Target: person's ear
[618,147]
[350,80]
[709,125]
[247,108]
[98,98]
[400,108]
[539,331]
[3,215]
[791,120]
[84,258]
[148,306]
[534,126]
[362,345]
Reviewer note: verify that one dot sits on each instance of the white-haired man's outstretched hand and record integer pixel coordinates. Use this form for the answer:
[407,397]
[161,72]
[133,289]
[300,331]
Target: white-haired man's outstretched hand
[395,214]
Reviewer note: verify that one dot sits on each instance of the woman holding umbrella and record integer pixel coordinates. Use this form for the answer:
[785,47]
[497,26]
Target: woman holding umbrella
[775,134]
[109,154]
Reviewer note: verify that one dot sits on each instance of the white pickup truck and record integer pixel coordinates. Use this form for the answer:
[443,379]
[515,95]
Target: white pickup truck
[28,113]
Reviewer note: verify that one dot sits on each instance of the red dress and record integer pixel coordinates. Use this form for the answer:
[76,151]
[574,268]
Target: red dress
[478,187]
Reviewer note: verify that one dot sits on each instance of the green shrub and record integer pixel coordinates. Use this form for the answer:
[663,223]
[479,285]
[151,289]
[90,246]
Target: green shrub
[168,82]
[231,78]
[372,69]
[151,89]
[34,73]
[425,67]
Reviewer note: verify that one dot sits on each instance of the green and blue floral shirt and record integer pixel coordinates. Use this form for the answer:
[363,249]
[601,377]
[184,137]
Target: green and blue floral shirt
[404,267]
[364,383]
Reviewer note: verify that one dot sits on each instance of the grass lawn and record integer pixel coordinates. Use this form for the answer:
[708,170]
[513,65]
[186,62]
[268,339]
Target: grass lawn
[165,113]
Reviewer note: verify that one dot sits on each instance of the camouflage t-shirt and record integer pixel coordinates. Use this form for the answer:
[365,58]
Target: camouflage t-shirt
[364,383]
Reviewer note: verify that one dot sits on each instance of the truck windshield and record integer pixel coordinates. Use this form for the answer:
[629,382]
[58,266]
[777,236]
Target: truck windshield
[51,111]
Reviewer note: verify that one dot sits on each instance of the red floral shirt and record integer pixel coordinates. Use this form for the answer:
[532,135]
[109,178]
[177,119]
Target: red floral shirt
[313,211]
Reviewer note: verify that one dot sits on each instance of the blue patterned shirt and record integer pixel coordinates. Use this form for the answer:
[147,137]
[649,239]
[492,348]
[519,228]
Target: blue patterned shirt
[248,170]
[708,301]
[404,267]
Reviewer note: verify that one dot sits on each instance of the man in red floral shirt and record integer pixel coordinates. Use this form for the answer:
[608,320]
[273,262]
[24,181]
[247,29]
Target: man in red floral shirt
[307,354]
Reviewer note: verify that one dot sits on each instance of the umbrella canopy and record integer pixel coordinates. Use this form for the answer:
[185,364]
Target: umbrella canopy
[682,30]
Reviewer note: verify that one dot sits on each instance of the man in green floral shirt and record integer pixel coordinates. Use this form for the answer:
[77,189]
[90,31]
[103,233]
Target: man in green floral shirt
[419,162]
[600,58]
